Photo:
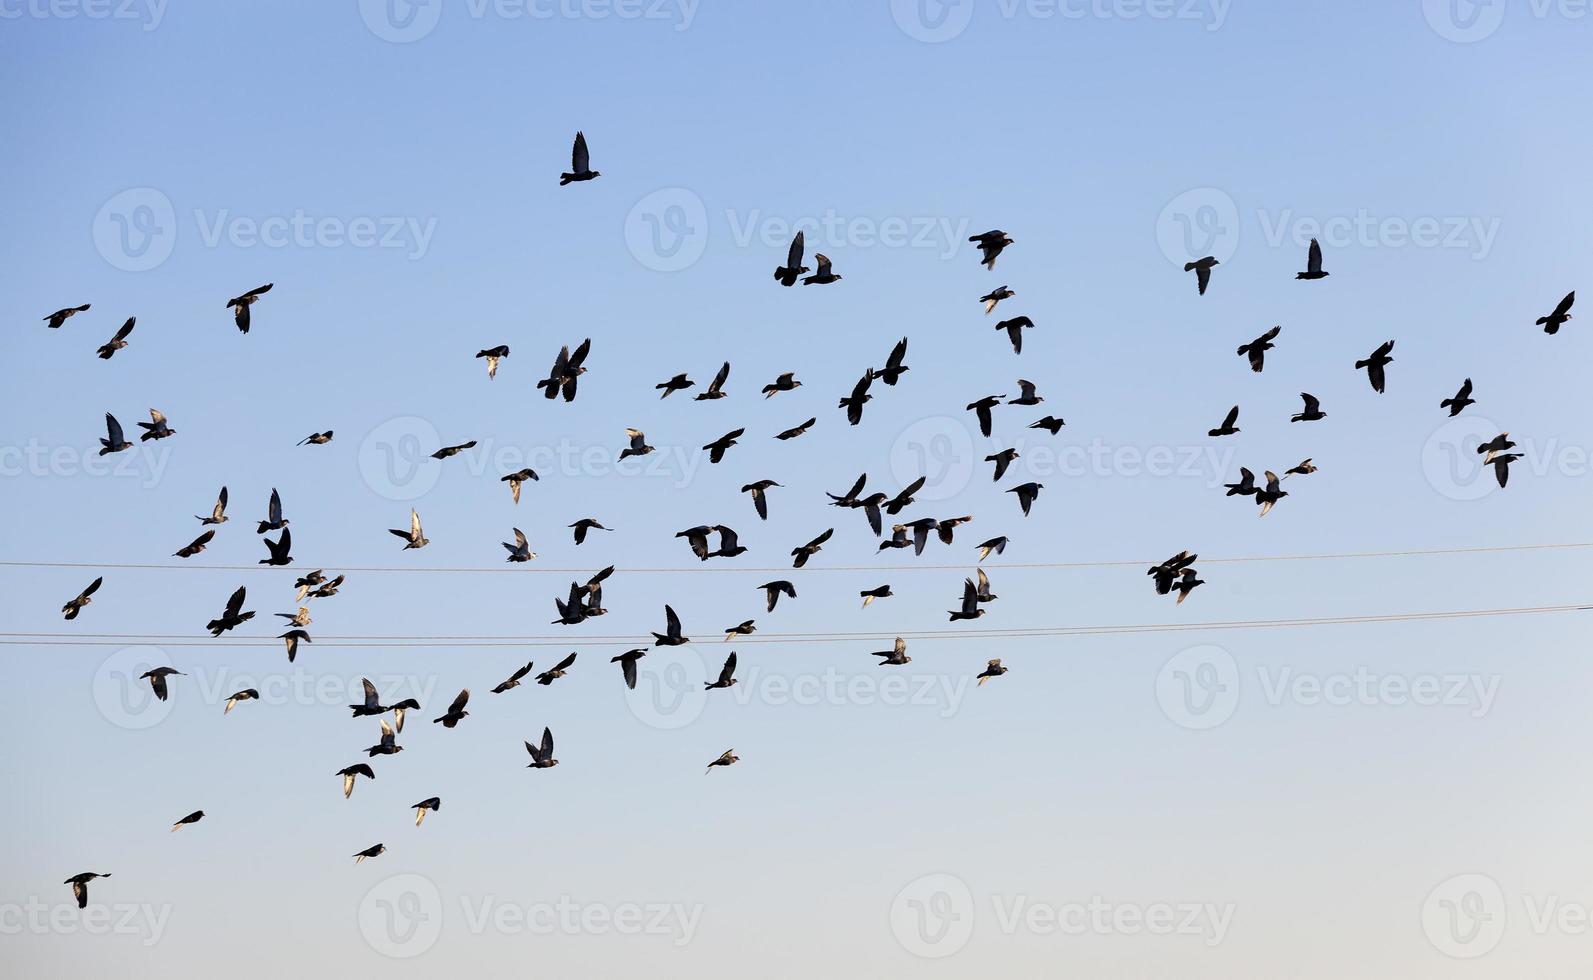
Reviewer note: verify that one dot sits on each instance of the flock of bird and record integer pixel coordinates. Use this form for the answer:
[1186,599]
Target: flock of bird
[708,542]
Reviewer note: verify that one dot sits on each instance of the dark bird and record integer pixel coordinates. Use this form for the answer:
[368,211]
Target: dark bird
[218,514]
[157,679]
[785,382]
[1167,571]
[1187,582]
[823,277]
[638,445]
[54,320]
[920,529]
[904,499]
[328,590]
[760,499]
[849,499]
[1050,424]
[293,638]
[240,306]
[1227,428]
[772,591]
[970,603]
[1462,398]
[1026,395]
[946,526]
[1202,270]
[117,342]
[358,769]
[741,629]
[547,677]
[1026,493]
[516,479]
[792,433]
[991,244]
[79,882]
[1014,328]
[388,745]
[697,538]
[514,679]
[786,275]
[572,612]
[720,446]
[894,657]
[1304,468]
[982,408]
[1501,467]
[1495,446]
[1257,349]
[247,694]
[727,674]
[156,427]
[493,356]
[278,550]
[1552,323]
[803,553]
[995,296]
[72,608]
[1270,494]
[678,383]
[309,582]
[716,386]
[992,669]
[627,662]
[729,758]
[273,521]
[982,587]
[231,617]
[894,368]
[580,163]
[456,710]
[870,506]
[316,438]
[729,544]
[1246,487]
[429,803]
[372,705]
[996,545]
[1312,411]
[542,756]
[1313,263]
[898,539]
[1375,364]
[520,550]
[854,402]
[880,592]
[448,451]
[566,371]
[375,850]
[114,441]
[414,537]
[408,704]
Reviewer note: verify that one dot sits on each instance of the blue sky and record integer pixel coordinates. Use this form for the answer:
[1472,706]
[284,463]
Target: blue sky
[1397,796]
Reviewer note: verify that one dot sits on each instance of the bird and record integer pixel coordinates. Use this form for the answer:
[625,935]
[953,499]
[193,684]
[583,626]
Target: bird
[408,704]
[995,296]
[566,371]
[1313,263]
[990,244]
[1186,584]
[456,710]
[904,498]
[1552,323]
[1003,459]
[1014,328]
[795,431]
[894,368]
[773,590]
[293,638]
[760,498]
[716,386]
[1257,349]
[278,549]
[327,589]
[375,850]
[1202,270]
[1026,493]
[1026,395]
[75,606]
[79,882]
[994,545]
[542,756]
[729,758]
[726,675]
[388,745]
[520,550]
[741,629]
[697,539]
[240,305]
[802,553]
[516,479]
[1312,411]
[317,438]
[982,587]
[1165,573]
[54,320]
[678,383]
[894,657]
[232,616]
[729,544]
[1227,428]
[218,514]
[493,356]
[1270,494]
[627,662]
[414,537]
[547,677]
[898,539]
[247,694]
[786,275]
[1495,446]
[514,679]
[785,382]
[823,276]
[854,402]
[1461,399]
[157,679]
[970,603]
[429,803]
[946,526]
[117,342]
[372,705]
[879,592]
[717,449]
[447,451]
[308,582]
[1050,423]
[1246,487]
[920,529]
[358,769]
[1501,467]
[992,669]
[1304,468]
[1375,364]
[849,499]
[580,163]
[114,442]
[156,427]
[638,445]
[572,612]
[273,521]
[981,408]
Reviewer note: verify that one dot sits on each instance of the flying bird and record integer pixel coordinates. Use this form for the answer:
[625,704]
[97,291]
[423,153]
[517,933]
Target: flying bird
[1552,323]
[293,638]
[638,444]
[316,438]
[388,745]
[156,427]
[547,677]
[456,710]
[75,606]
[79,882]
[447,451]
[1495,446]
[514,679]
[795,431]
[786,275]
[1026,493]
[358,769]
[894,657]
[1202,270]
[375,850]
[521,549]
[802,553]
[1304,468]
[785,382]
[54,320]
[697,539]
[716,386]
[232,616]
[1270,494]
[854,402]
[727,674]
[894,368]
[995,296]
[760,498]
[278,550]
[879,592]
[970,603]
[982,408]
[1026,395]
[1187,582]
[1313,263]
[992,669]
[1462,398]
[372,705]
[824,276]
[678,383]
[566,371]
[117,342]
[982,587]
[247,694]
[720,446]
[627,662]
[903,499]
[1050,423]
[542,756]
[773,590]
[1227,428]
[157,679]
[990,244]
[580,163]
[114,441]
[274,520]
[429,803]
[218,514]
[1312,411]
[729,758]
[996,545]
[517,478]
[1257,349]
[414,537]
[493,356]
[1501,467]
[1375,364]
[741,629]
[1246,487]
[1014,328]
[240,306]
[1165,573]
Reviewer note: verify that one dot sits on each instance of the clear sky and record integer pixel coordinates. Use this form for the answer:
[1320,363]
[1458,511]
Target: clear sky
[1285,802]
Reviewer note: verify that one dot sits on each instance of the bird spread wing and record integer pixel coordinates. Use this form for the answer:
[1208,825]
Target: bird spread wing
[580,157]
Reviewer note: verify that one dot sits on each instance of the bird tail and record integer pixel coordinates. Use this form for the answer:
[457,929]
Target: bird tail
[982,679]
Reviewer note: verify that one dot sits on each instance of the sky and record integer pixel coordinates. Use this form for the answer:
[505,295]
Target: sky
[1393,798]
